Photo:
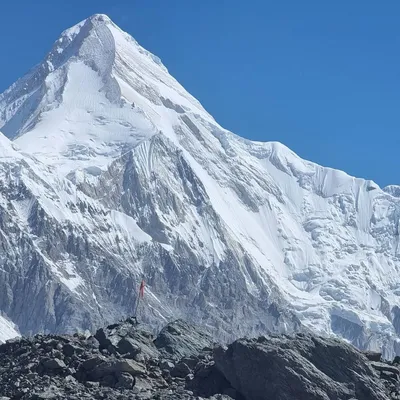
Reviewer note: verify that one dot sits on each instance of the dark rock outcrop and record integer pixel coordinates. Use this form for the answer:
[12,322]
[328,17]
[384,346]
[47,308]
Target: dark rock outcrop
[300,367]
[124,361]
[128,339]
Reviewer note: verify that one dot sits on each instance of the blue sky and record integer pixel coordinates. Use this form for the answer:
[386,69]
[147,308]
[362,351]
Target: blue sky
[320,76]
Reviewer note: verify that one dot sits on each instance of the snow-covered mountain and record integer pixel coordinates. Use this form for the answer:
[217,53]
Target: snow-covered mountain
[110,171]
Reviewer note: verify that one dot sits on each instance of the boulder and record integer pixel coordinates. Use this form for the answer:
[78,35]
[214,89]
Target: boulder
[115,367]
[300,367]
[128,345]
[93,362]
[53,364]
[373,355]
[125,381]
[68,350]
[180,339]
[208,381]
[180,370]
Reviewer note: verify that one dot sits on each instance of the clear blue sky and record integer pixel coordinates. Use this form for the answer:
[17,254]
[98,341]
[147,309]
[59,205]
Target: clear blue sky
[321,76]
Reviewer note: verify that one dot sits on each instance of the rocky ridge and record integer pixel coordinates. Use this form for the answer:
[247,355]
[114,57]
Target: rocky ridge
[126,361]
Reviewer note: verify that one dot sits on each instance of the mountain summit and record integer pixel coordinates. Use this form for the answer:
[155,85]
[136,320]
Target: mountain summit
[116,173]
[96,93]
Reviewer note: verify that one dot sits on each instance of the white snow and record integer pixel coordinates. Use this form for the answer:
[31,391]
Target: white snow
[7,329]
[86,129]
[128,226]
[8,150]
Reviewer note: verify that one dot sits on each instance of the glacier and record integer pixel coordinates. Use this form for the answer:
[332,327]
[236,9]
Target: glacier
[110,172]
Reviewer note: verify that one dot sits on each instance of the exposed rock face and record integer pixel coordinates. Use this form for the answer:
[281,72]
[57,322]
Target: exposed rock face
[280,367]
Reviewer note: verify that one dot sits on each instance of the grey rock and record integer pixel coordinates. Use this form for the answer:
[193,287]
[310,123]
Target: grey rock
[396,360]
[167,365]
[208,380]
[127,337]
[128,345]
[384,367]
[303,367]
[114,367]
[180,339]
[180,370]
[70,379]
[91,384]
[125,381]
[53,364]
[92,363]
[390,376]
[373,355]
[68,350]
[91,341]
[276,367]
[191,362]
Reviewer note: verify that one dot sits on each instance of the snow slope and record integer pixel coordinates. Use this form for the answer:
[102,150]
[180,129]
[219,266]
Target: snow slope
[7,330]
[121,174]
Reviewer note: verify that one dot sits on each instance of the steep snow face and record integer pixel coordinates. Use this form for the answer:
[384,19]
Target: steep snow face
[123,174]
[7,330]
[8,150]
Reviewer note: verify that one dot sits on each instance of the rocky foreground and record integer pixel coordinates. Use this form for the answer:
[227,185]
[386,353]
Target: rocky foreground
[125,361]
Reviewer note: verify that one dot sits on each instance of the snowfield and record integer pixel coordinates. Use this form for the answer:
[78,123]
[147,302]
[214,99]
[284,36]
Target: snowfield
[110,171]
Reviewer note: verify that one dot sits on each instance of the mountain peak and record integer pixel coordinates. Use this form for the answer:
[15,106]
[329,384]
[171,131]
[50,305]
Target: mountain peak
[95,19]
[95,80]
[100,18]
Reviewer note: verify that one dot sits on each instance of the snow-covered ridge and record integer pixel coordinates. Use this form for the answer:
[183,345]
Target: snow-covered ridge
[122,174]
[394,190]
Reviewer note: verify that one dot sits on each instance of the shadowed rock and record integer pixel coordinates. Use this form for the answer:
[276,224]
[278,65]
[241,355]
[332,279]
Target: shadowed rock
[303,367]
